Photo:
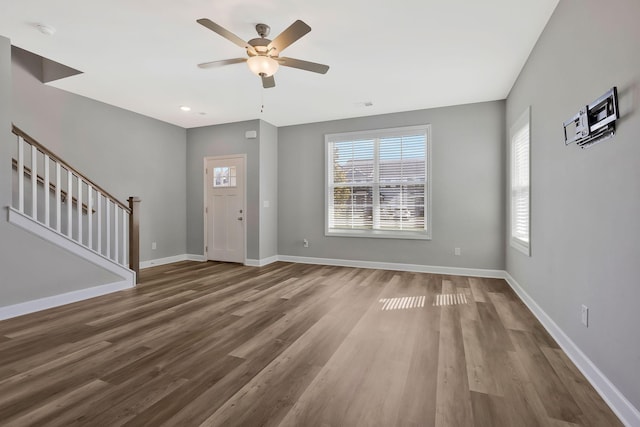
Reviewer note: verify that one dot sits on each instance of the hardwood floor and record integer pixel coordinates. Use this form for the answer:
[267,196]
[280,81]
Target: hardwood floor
[217,344]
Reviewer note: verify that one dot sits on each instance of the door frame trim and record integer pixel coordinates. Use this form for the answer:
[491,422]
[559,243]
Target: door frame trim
[205,198]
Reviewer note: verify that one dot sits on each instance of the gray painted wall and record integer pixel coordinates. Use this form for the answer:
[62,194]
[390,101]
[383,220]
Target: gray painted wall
[585,203]
[58,271]
[126,153]
[222,140]
[467,173]
[268,190]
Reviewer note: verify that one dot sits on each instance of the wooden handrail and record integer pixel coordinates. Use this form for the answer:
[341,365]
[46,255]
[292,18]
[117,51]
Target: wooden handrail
[52,186]
[19,132]
[133,208]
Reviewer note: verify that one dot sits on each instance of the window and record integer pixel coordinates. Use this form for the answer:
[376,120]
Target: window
[224,176]
[378,183]
[520,190]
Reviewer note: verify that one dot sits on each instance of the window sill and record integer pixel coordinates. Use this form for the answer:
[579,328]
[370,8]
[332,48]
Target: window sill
[520,246]
[380,234]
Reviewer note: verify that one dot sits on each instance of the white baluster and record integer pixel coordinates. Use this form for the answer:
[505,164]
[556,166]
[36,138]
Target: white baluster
[34,182]
[20,174]
[58,199]
[45,189]
[115,232]
[69,203]
[125,252]
[110,220]
[79,204]
[99,221]
[108,231]
[89,216]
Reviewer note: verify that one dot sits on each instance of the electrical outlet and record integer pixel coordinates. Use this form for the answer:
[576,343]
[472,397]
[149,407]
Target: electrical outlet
[585,315]
[154,246]
[305,243]
[456,251]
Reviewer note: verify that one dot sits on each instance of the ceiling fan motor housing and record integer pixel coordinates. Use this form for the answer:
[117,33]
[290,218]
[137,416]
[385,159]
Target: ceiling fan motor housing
[263,30]
[260,45]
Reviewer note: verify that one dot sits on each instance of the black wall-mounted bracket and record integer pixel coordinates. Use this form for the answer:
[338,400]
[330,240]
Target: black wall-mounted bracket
[595,122]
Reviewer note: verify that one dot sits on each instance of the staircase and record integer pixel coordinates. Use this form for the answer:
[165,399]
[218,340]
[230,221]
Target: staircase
[54,201]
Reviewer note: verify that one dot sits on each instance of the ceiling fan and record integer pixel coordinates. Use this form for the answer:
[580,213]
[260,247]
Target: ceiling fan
[263,54]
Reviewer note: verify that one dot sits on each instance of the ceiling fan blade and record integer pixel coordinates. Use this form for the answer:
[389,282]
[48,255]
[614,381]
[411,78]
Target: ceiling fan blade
[268,82]
[225,33]
[288,36]
[214,64]
[304,65]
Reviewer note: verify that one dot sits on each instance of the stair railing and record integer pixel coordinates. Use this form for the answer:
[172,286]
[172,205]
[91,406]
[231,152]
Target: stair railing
[72,205]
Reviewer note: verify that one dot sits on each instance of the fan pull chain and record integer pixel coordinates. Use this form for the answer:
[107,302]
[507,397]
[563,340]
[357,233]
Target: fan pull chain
[262,106]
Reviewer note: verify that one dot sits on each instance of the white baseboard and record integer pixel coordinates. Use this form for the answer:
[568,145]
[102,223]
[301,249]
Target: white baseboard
[171,259]
[417,268]
[627,413]
[200,258]
[62,299]
[454,271]
[261,262]
[193,257]
[162,261]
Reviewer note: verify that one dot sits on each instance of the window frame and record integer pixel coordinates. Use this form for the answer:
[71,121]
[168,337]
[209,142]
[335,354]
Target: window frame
[378,134]
[518,126]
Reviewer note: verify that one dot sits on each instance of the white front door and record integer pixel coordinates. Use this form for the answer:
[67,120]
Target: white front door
[224,210]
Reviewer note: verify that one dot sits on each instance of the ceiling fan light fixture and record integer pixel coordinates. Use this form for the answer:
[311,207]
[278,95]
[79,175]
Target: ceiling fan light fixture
[263,66]
[264,54]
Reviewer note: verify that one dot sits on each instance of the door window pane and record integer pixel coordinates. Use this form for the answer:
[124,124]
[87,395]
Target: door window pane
[224,176]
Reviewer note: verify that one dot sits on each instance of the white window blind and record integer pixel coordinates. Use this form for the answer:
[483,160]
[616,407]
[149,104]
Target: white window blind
[520,189]
[377,183]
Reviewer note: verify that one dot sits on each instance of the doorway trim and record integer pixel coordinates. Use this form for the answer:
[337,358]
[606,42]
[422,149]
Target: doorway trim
[205,189]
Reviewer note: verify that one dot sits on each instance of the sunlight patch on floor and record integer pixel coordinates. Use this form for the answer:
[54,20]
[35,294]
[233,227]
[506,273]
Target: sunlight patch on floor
[450,299]
[402,303]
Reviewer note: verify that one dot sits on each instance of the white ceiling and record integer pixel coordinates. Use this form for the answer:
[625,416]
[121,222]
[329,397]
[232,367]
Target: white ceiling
[141,55]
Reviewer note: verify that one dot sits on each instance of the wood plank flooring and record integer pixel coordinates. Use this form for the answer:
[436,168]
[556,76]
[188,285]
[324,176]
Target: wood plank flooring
[215,344]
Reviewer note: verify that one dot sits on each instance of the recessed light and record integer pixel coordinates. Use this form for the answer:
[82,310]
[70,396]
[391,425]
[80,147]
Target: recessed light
[364,104]
[185,108]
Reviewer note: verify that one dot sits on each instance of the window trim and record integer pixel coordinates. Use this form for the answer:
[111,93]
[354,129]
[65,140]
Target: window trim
[515,242]
[381,133]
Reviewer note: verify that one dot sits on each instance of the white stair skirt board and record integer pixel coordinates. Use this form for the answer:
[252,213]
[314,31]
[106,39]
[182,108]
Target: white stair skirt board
[64,242]
[61,299]
[416,268]
[627,413]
